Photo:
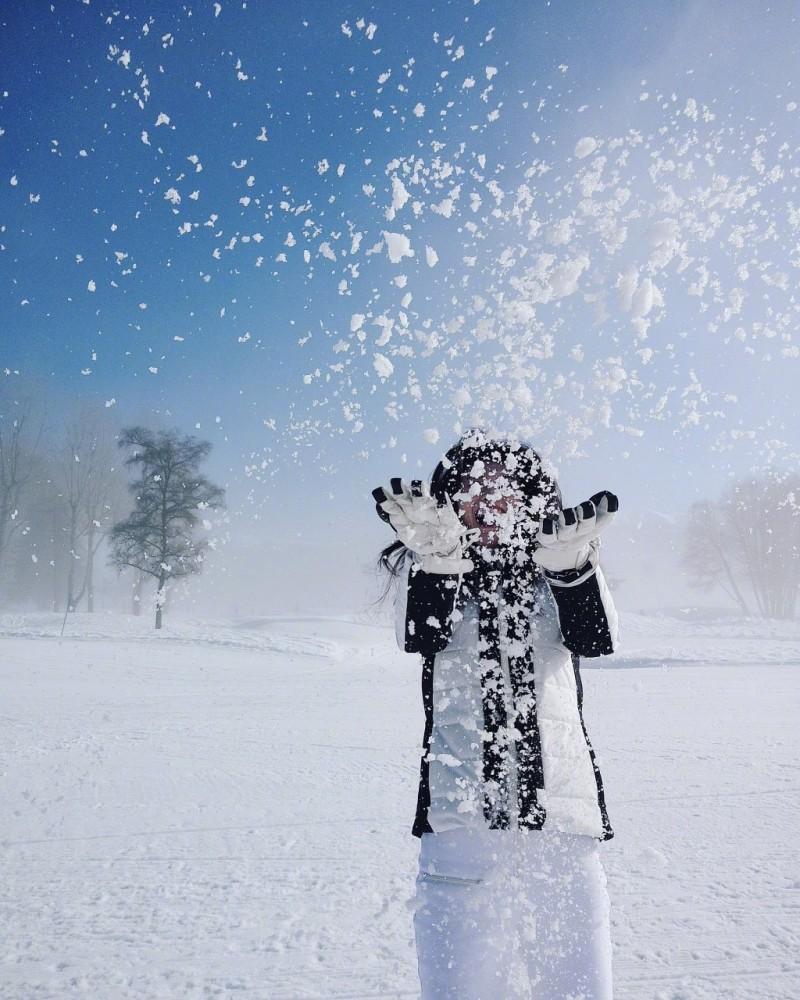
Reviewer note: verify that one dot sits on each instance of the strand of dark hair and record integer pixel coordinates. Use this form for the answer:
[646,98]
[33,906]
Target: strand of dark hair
[389,561]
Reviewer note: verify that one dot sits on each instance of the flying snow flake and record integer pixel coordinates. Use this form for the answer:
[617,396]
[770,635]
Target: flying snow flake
[585,147]
[163,119]
[419,109]
[431,435]
[398,246]
[399,197]
[431,257]
[91,286]
[383,366]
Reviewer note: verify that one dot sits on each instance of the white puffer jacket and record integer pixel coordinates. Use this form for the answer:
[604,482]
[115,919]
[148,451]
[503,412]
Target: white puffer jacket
[576,617]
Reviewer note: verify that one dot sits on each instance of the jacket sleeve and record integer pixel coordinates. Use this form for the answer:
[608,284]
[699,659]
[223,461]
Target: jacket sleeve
[586,612]
[425,606]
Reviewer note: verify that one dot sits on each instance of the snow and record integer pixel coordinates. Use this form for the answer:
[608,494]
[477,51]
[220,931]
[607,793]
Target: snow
[382,365]
[585,147]
[225,808]
[398,246]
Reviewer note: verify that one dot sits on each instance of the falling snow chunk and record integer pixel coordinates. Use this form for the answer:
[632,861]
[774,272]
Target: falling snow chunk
[585,147]
[431,435]
[383,366]
[91,287]
[431,256]
[398,246]
[399,197]
[490,72]
[145,138]
[153,370]
[162,119]
[356,322]
[419,109]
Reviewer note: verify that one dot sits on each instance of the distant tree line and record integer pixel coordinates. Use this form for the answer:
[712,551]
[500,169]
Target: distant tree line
[68,509]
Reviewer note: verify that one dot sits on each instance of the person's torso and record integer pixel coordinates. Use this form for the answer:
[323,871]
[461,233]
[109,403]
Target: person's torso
[456,752]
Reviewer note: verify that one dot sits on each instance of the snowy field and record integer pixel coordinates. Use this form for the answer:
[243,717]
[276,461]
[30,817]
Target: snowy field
[224,811]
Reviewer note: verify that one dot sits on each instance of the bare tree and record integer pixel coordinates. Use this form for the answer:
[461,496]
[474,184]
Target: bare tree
[707,554]
[88,481]
[20,439]
[103,500]
[749,540]
[764,514]
[157,539]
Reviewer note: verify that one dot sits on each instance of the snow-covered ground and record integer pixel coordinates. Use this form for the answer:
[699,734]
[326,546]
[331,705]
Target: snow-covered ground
[224,810]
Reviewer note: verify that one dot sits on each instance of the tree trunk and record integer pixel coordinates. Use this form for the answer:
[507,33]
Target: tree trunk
[73,555]
[54,562]
[160,598]
[90,569]
[137,594]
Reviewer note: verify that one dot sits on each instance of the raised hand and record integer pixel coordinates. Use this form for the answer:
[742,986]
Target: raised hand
[434,532]
[570,540]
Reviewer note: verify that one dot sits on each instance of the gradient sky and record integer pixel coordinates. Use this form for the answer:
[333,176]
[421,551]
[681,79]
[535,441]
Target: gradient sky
[78,180]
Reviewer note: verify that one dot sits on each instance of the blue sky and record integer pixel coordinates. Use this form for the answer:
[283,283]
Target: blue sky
[249,334]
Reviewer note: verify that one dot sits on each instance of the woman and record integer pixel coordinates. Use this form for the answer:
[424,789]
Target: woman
[501,592]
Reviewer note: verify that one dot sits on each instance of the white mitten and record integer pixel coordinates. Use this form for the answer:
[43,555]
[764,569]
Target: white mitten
[434,533]
[571,540]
